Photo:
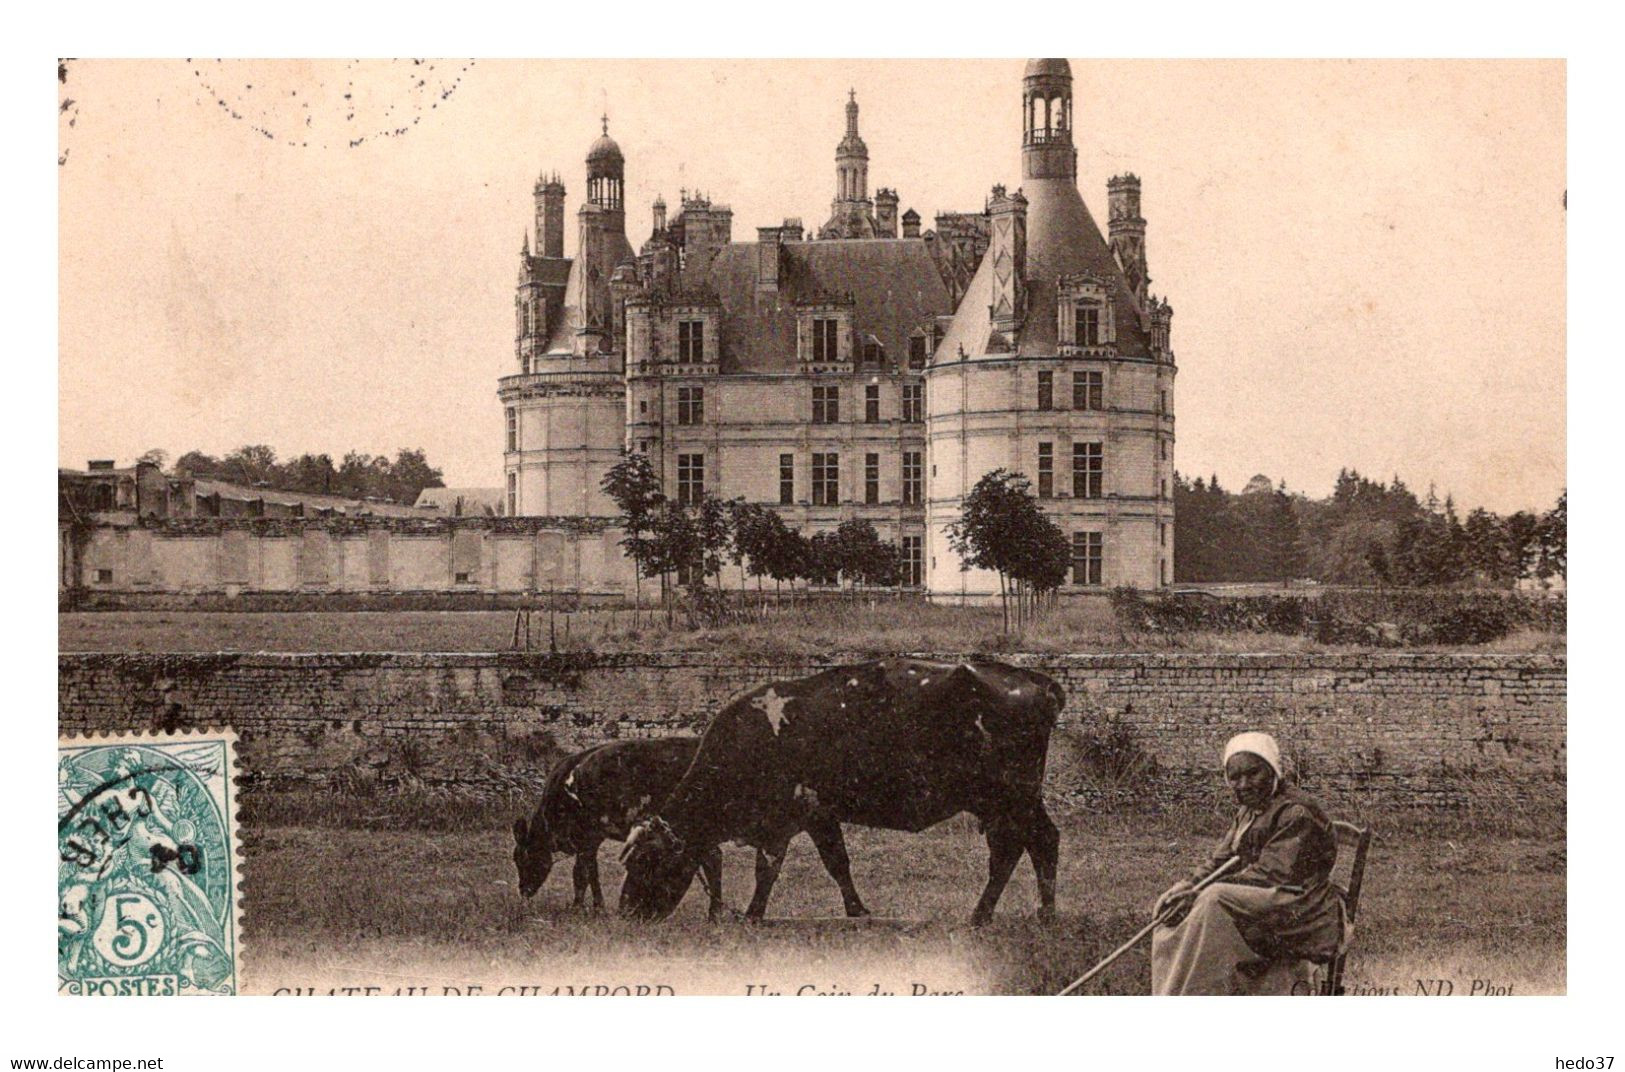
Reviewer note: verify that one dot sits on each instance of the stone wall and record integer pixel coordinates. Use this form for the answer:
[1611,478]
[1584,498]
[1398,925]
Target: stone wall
[340,563]
[1428,730]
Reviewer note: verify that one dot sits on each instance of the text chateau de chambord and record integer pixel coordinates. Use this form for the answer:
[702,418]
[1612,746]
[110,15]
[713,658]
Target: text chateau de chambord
[867,370]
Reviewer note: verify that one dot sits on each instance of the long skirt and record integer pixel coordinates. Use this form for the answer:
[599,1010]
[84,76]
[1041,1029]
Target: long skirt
[1205,952]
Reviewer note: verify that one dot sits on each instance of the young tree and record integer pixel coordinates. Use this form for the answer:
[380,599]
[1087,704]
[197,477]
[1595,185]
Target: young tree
[995,519]
[634,488]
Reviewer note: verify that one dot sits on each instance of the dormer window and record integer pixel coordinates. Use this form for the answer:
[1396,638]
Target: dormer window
[825,348]
[917,351]
[1083,312]
[691,342]
[1086,324]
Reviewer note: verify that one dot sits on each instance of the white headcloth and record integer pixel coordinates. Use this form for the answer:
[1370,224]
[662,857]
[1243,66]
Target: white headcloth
[1261,745]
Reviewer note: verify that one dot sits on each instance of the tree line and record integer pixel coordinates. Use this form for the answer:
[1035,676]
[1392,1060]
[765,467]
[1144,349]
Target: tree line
[684,544]
[357,476]
[1001,528]
[1365,532]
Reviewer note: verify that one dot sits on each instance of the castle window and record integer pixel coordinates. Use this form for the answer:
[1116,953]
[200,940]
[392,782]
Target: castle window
[1088,469]
[690,478]
[1162,403]
[873,352]
[871,478]
[513,429]
[1162,534]
[690,342]
[1087,555]
[1087,326]
[911,561]
[1046,390]
[917,352]
[913,402]
[826,477]
[787,479]
[1162,446]
[871,403]
[1046,470]
[104,576]
[690,405]
[826,403]
[1088,390]
[513,494]
[911,477]
[824,336]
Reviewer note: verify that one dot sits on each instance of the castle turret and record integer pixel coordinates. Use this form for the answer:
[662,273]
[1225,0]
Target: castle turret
[852,214]
[603,234]
[1047,151]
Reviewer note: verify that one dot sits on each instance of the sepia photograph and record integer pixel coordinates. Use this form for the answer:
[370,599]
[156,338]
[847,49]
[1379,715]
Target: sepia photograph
[1033,527]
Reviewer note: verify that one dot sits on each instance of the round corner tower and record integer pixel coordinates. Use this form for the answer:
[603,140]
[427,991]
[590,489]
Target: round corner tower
[1057,366]
[564,407]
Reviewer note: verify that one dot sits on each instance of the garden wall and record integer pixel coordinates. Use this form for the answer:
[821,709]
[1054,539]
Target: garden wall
[1425,730]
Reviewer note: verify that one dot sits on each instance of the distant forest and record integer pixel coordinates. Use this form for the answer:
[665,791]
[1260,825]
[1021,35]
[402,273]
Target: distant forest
[1364,533]
[358,476]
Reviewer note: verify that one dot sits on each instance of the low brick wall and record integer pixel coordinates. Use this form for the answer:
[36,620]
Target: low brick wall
[1429,730]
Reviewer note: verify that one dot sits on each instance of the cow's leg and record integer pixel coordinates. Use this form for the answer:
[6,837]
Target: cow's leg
[592,877]
[769,858]
[711,875]
[1005,843]
[1044,849]
[825,831]
[578,876]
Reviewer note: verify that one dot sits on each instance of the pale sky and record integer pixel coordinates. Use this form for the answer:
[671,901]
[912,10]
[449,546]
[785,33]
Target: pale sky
[1366,259]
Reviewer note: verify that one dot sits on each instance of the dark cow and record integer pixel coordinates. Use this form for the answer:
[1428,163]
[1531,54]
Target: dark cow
[598,795]
[901,744]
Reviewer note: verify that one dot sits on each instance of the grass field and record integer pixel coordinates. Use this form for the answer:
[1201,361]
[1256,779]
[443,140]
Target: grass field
[329,904]
[883,628]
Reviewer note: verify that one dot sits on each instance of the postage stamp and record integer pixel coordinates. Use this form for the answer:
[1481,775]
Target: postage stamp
[147,875]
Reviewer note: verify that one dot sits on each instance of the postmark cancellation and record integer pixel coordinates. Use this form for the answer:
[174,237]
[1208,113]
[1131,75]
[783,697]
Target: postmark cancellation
[147,870]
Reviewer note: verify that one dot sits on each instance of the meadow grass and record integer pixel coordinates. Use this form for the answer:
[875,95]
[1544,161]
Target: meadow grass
[330,901]
[881,626]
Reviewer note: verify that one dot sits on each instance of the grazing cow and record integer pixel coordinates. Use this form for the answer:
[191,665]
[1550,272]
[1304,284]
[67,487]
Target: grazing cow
[598,795]
[901,744]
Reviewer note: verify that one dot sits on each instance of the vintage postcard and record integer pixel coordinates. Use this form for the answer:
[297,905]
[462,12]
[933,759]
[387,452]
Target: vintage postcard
[820,528]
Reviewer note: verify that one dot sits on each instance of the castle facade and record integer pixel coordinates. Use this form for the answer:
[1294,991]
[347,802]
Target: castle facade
[865,370]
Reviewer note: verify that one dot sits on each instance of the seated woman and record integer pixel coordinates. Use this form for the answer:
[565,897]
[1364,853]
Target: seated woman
[1253,931]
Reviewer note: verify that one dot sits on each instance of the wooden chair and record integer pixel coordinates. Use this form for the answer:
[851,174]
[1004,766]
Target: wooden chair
[1359,839]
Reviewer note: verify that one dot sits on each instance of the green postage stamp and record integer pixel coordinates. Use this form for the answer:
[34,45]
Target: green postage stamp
[147,875]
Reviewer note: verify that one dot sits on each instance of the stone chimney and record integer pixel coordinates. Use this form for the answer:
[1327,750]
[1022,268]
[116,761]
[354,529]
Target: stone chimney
[1007,250]
[768,258]
[549,216]
[1127,229]
[885,212]
[793,230]
[911,224]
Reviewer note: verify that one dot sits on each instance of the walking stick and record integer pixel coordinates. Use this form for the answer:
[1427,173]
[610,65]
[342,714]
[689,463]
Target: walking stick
[1111,958]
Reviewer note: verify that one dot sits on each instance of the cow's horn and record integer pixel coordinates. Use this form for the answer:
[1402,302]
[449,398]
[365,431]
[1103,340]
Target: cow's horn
[632,837]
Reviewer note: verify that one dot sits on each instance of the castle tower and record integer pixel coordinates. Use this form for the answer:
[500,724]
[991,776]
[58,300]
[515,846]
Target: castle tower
[603,245]
[852,158]
[1055,367]
[852,214]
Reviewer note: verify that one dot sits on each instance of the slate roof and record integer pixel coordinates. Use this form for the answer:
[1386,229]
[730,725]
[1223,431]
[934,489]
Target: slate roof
[1062,239]
[894,283]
